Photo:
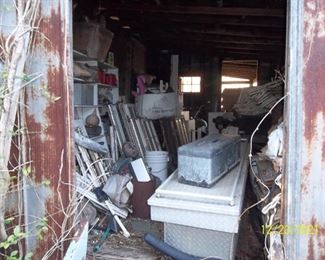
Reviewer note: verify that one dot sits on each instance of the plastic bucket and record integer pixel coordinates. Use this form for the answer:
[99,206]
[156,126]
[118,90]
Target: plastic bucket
[158,162]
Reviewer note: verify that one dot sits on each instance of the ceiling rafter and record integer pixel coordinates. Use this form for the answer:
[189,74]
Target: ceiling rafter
[195,10]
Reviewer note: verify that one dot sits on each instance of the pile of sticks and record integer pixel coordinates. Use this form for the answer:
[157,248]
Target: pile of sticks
[258,100]
[93,170]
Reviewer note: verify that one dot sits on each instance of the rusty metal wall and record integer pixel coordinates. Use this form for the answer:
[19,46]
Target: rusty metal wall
[305,134]
[49,117]
[7,17]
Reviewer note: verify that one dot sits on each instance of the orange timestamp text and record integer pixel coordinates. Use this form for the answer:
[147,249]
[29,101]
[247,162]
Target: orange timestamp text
[300,229]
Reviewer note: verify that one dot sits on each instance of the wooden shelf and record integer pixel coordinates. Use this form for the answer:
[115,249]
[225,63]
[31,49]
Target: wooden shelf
[97,83]
[78,80]
[92,62]
[90,106]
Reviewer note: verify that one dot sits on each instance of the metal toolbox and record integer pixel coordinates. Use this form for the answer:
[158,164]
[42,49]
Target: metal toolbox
[199,221]
[203,162]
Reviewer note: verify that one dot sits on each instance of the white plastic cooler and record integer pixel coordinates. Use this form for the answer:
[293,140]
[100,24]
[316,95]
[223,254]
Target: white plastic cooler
[200,221]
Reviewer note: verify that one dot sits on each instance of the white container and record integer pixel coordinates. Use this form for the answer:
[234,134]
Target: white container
[201,221]
[155,106]
[158,162]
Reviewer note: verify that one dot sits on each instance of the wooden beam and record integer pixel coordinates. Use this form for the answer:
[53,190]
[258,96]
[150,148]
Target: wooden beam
[197,10]
[215,39]
[250,21]
[242,33]
[250,34]
[204,43]
[179,48]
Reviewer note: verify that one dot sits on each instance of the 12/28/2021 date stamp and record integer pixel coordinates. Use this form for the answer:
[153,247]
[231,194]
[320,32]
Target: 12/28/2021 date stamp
[300,229]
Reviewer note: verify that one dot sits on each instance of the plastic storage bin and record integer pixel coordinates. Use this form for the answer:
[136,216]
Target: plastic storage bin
[156,106]
[204,161]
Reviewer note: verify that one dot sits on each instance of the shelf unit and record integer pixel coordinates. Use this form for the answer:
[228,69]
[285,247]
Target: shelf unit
[92,97]
[94,94]
[81,113]
[101,91]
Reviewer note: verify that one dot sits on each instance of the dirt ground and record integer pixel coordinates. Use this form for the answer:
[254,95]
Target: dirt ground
[119,247]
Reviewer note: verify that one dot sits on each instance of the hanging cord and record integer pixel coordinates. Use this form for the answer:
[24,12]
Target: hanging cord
[250,158]
[277,198]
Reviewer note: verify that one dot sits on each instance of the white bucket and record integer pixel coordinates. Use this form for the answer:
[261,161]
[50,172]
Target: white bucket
[158,162]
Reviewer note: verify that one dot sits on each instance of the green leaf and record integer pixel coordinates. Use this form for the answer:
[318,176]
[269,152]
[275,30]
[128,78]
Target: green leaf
[28,256]
[27,170]
[11,239]
[14,253]
[3,244]
[6,245]
[9,220]
[17,231]
[46,182]
[45,229]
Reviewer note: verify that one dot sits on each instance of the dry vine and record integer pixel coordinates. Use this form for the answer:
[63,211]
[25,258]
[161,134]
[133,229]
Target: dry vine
[14,51]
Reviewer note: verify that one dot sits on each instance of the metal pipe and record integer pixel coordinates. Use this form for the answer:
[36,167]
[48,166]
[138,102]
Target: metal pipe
[137,141]
[153,129]
[119,126]
[150,134]
[141,134]
[89,144]
[113,121]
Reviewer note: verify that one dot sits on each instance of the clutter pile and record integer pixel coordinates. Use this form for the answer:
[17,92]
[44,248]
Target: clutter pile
[109,169]
[258,100]
[265,177]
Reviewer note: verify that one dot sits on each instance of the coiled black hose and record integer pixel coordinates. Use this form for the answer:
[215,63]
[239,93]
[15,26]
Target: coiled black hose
[169,250]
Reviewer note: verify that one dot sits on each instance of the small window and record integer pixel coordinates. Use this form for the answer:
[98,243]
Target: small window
[191,84]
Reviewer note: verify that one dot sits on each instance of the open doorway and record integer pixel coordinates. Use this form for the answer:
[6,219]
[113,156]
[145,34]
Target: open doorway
[222,48]
[236,74]
[241,40]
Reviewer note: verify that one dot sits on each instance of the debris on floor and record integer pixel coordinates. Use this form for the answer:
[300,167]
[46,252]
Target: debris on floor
[116,246]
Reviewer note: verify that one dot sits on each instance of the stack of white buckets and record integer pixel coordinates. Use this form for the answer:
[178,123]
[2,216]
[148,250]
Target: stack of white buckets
[158,162]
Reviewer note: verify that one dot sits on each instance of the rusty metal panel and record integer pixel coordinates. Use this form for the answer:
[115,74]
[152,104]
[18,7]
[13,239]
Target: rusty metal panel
[305,120]
[49,116]
[8,18]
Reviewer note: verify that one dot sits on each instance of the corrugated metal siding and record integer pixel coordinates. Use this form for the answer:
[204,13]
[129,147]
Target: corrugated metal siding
[49,116]
[305,170]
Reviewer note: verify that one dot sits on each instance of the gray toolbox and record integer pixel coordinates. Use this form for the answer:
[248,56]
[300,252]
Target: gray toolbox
[204,161]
